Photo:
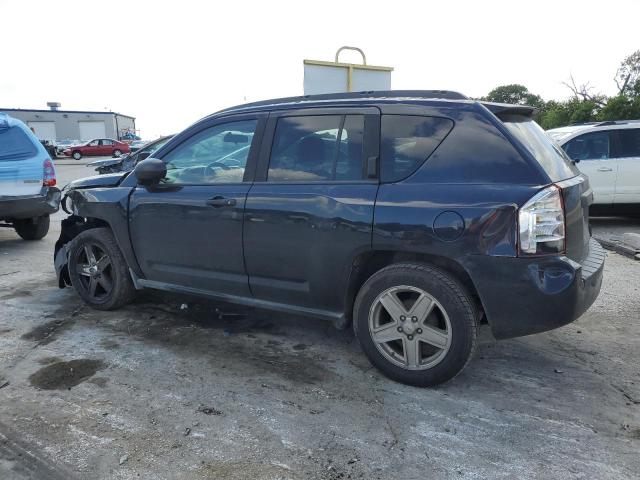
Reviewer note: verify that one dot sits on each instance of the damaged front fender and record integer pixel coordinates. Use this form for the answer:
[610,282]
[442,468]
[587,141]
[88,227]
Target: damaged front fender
[71,227]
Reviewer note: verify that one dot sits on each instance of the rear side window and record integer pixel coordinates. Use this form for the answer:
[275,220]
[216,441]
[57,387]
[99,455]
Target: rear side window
[15,144]
[317,148]
[551,158]
[590,146]
[627,143]
[407,141]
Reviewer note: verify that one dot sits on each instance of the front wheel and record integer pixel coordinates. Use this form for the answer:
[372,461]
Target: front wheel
[76,155]
[98,271]
[416,324]
[32,228]
[117,153]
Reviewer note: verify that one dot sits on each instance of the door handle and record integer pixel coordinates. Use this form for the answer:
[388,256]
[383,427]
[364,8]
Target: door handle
[605,169]
[219,201]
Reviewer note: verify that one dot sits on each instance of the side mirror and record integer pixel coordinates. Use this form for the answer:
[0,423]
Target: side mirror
[150,171]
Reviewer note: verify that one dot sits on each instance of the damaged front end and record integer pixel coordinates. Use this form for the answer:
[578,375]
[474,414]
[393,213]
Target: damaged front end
[70,228]
[90,202]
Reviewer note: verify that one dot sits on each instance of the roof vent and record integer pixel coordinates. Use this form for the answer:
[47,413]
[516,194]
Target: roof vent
[54,106]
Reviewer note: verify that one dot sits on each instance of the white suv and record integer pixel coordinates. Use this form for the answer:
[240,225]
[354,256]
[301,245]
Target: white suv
[609,153]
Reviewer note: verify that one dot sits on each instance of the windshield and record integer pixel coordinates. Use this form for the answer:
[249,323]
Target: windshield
[153,146]
[549,155]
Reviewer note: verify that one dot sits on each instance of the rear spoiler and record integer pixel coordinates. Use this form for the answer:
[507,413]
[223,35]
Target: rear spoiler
[500,109]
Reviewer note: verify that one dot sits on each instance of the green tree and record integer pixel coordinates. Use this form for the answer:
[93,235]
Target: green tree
[621,107]
[515,94]
[628,75]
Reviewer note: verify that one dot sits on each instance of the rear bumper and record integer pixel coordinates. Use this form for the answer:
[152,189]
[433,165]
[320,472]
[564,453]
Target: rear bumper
[46,202]
[522,296]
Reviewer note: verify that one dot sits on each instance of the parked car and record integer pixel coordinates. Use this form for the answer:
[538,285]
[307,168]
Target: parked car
[62,145]
[28,193]
[50,147]
[126,163]
[98,146]
[609,154]
[414,215]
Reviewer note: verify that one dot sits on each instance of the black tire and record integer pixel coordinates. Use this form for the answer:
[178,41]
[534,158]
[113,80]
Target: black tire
[117,153]
[32,229]
[76,155]
[448,293]
[112,285]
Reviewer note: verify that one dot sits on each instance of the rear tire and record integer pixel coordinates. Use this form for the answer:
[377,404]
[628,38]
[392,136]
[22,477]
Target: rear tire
[32,228]
[416,323]
[76,155]
[98,270]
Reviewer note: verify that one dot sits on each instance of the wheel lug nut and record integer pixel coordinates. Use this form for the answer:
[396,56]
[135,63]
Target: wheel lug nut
[400,329]
[402,318]
[414,319]
[419,331]
[410,337]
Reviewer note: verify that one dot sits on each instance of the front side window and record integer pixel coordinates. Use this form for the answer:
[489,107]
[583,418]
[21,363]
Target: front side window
[407,141]
[94,143]
[627,143]
[215,155]
[590,146]
[107,142]
[317,148]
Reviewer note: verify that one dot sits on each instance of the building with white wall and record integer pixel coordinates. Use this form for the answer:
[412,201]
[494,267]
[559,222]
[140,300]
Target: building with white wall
[54,124]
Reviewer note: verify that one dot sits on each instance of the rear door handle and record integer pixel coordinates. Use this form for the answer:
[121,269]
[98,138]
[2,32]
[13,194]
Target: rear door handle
[219,201]
[605,169]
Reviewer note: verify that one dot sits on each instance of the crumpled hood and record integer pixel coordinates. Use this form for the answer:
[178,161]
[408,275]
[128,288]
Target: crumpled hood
[108,180]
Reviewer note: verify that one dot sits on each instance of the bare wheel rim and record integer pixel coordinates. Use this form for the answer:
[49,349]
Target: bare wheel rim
[410,328]
[95,271]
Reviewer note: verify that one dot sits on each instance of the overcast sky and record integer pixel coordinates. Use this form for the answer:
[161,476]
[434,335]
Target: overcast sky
[170,63]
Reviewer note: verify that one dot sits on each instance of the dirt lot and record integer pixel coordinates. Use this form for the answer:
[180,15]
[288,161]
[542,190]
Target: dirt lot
[159,391]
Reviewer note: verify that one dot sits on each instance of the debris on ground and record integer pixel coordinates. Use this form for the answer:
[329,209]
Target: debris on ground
[123,459]
[208,410]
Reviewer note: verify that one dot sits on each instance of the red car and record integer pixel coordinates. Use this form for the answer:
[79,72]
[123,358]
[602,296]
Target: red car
[98,146]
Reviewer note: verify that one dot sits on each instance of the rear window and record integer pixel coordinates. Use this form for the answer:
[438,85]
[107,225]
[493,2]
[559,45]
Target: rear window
[551,157]
[15,144]
[407,141]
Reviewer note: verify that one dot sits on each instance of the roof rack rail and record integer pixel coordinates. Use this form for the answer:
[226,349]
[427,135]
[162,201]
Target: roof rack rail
[440,94]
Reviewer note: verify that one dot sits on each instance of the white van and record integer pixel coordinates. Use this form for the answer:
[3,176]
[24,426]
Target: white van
[28,194]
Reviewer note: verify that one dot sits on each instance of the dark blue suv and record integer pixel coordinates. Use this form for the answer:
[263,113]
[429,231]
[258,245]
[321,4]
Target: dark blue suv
[413,215]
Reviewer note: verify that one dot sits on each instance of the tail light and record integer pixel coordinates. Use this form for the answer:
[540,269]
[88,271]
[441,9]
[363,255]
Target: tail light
[49,177]
[541,223]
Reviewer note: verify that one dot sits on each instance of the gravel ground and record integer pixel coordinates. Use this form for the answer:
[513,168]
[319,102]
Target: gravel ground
[213,391]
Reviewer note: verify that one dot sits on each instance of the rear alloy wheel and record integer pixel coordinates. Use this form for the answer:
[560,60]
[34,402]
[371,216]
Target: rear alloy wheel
[98,270]
[416,323]
[76,155]
[117,153]
[410,328]
[32,228]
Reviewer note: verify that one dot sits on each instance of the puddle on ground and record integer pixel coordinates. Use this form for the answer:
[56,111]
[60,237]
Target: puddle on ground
[48,332]
[64,375]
